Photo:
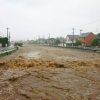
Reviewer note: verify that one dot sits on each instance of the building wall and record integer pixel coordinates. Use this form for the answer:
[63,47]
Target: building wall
[87,40]
[68,40]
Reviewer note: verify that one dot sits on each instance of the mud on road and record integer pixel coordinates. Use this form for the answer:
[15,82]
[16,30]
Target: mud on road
[47,73]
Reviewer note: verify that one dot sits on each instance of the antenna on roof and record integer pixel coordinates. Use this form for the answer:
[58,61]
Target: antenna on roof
[81,31]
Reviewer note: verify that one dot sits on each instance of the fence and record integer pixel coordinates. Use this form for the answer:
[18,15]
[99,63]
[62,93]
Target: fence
[7,50]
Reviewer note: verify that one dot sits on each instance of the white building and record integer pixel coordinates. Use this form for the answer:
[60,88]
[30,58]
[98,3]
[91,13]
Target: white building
[71,39]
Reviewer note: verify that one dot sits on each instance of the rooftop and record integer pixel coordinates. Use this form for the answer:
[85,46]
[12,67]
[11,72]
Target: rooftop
[71,37]
[85,34]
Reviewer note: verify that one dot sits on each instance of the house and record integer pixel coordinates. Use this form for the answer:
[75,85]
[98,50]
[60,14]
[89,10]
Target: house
[62,41]
[71,39]
[87,38]
[98,36]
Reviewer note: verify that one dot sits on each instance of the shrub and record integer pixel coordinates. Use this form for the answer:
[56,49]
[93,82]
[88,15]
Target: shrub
[78,43]
[18,44]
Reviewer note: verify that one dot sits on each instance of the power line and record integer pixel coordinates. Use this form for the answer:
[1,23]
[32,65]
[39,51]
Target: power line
[92,22]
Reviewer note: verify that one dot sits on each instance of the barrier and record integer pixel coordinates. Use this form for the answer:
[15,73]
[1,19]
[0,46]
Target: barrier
[7,51]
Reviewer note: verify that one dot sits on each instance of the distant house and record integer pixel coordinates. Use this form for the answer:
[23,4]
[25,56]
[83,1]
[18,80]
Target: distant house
[62,41]
[51,41]
[71,39]
[86,38]
[98,36]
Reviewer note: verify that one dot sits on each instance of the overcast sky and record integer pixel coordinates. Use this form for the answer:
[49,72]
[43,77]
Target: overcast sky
[28,19]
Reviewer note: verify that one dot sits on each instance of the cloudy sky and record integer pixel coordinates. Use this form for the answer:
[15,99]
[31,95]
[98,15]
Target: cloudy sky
[28,19]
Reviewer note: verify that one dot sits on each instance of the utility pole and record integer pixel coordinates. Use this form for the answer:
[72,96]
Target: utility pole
[81,31]
[73,35]
[39,39]
[9,39]
[97,30]
[7,36]
[7,31]
[49,39]
[63,41]
[43,39]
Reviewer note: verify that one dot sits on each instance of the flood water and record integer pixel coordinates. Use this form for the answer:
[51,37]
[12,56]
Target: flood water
[34,55]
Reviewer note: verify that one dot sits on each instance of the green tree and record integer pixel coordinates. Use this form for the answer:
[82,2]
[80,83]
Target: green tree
[18,44]
[78,42]
[98,36]
[96,42]
[57,41]
[4,41]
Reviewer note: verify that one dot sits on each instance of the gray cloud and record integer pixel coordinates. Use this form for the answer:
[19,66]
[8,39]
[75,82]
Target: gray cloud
[30,18]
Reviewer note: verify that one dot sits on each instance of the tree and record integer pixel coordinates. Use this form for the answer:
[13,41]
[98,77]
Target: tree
[57,41]
[4,41]
[18,44]
[78,42]
[98,36]
[96,42]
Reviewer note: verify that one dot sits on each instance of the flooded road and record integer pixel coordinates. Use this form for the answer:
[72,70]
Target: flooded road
[47,73]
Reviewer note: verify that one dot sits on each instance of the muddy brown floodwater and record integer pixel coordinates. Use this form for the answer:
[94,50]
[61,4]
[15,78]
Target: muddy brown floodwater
[47,73]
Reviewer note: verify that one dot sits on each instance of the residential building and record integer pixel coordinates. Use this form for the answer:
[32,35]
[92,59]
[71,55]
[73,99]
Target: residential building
[87,38]
[71,39]
[98,36]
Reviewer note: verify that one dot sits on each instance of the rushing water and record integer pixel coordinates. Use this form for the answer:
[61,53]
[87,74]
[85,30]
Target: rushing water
[32,55]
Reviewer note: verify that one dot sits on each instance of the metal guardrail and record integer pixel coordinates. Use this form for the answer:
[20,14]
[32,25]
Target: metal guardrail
[7,50]
[94,49]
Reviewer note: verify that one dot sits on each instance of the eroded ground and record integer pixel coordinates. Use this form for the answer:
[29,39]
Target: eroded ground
[47,73]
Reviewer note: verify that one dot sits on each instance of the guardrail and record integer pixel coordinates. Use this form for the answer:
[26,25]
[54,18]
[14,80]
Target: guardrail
[94,49]
[7,50]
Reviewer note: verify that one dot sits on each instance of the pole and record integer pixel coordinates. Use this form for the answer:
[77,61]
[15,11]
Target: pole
[73,35]
[49,39]
[8,36]
[7,31]
[39,39]
[9,39]
[63,41]
[81,31]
